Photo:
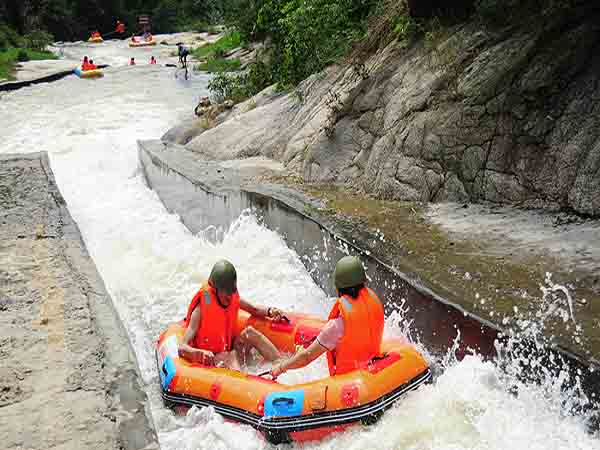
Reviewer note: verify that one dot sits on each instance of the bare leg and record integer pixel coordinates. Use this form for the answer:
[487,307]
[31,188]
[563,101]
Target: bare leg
[251,338]
[228,359]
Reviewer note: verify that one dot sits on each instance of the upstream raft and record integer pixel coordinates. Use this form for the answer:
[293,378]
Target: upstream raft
[142,43]
[286,413]
[95,73]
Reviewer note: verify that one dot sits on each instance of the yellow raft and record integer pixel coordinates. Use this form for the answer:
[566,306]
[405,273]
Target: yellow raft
[142,43]
[286,413]
[95,40]
[96,73]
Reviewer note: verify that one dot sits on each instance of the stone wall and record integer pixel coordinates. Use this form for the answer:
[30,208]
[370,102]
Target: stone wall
[468,114]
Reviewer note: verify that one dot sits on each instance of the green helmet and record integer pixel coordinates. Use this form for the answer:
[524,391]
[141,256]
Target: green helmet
[223,276]
[349,272]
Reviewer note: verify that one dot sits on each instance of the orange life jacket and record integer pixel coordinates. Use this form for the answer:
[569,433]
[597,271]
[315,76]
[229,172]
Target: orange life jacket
[217,325]
[120,28]
[363,330]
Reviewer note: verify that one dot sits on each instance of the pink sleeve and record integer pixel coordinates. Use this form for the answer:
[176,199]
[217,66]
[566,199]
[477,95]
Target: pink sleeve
[331,333]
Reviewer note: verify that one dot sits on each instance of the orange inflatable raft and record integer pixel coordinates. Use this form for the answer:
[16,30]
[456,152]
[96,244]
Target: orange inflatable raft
[142,43]
[286,413]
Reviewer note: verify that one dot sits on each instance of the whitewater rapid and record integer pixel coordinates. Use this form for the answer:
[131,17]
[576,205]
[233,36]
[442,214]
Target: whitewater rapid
[152,265]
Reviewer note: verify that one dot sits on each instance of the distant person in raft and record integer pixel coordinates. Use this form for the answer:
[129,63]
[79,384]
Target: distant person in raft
[183,53]
[352,336]
[132,61]
[211,321]
[152,60]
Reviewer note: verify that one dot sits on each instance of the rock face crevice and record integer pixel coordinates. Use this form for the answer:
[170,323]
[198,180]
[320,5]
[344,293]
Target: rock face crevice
[474,115]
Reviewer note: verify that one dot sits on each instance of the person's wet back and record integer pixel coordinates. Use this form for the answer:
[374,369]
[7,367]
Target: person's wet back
[211,323]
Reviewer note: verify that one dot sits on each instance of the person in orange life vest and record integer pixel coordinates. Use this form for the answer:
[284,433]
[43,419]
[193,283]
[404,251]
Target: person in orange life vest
[352,336]
[85,63]
[120,27]
[95,34]
[91,65]
[211,319]
[152,60]
[132,61]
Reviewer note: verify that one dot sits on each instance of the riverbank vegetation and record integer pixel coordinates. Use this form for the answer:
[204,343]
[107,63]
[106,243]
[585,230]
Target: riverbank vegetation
[303,37]
[15,48]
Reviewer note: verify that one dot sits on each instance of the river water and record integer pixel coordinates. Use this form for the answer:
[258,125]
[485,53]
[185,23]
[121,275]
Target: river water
[152,265]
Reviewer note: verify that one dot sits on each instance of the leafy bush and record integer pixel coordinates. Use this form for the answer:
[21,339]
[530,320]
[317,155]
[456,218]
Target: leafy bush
[242,15]
[9,37]
[22,56]
[406,27]
[309,35]
[38,40]
[240,87]
[227,87]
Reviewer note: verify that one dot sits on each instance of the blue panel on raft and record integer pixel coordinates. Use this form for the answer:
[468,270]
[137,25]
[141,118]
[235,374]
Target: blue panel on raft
[284,404]
[167,372]
[77,71]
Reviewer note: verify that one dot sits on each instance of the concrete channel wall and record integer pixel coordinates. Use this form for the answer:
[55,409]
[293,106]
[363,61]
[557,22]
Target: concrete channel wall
[206,193]
[68,377]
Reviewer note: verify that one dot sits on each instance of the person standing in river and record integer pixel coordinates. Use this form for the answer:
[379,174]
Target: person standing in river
[183,53]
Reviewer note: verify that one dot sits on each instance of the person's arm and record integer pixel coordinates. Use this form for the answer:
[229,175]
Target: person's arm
[257,311]
[186,350]
[300,359]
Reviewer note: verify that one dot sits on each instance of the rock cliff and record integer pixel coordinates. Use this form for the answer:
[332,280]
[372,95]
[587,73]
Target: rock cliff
[466,113]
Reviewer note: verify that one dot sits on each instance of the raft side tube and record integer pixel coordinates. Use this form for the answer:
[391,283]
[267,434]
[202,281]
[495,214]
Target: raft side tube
[300,423]
[277,409]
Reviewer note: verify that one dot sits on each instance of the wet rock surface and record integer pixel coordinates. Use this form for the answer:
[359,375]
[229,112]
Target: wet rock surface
[474,115]
[66,362]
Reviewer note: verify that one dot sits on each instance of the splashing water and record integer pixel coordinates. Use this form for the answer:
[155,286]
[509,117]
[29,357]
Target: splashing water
[553,288]
[152,265]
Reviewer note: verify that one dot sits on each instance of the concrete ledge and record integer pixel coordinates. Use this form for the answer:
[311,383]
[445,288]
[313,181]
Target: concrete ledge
[81,386]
